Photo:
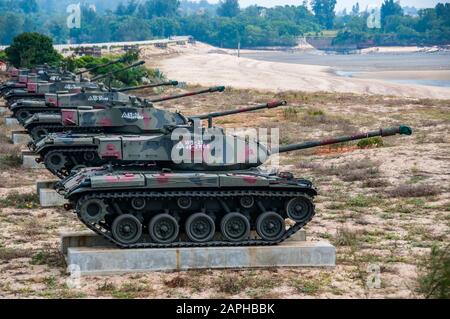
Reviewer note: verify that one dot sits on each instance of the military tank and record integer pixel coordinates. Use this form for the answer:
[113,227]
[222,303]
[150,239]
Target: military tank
[197,204]
[130,117]
[63,153]
[36,90]
[97,98]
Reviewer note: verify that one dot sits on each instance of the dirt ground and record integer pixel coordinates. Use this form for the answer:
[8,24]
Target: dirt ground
[383,206]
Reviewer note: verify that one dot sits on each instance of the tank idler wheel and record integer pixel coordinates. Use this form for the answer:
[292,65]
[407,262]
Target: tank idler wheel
[299,209]
[247,201]
[22,115]
[55,161]
[200,228]
[270,226]
[138,203]
[235,227]
[163,229]
[38,133]
[126,229]
[93,210]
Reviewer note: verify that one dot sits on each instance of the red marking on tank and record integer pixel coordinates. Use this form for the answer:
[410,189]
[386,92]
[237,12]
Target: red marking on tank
[119,178]
[52,101]
[250,179]
[32,87]
[147,119]
[68,117]
[105,122]
[111,151]
[162,179]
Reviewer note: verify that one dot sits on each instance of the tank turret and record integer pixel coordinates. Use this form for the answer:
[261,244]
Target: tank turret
[119,149]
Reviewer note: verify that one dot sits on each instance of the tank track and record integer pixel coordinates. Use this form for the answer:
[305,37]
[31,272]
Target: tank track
[105,233]
[68,152]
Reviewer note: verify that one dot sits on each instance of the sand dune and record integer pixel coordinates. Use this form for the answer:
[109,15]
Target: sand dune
[206,67]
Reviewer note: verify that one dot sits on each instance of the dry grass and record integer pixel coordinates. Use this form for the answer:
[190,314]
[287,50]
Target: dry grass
[421,190]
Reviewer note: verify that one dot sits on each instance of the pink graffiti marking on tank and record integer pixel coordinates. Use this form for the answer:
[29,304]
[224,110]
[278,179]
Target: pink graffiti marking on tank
[105,121]
[111,152]
[250,179]
[68,117]
[32,87]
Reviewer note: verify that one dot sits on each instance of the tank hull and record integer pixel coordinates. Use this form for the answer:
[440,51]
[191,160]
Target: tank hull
[186,209]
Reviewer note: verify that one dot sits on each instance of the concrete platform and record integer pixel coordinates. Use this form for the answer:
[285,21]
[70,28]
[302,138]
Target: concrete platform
[110,260]
[10,121]
[48,197]
[29,161]
[92,240]
[20,137]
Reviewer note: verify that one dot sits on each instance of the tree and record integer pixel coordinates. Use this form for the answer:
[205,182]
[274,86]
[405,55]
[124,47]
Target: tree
[30,49]
[355,9]
[159,8]
[324,12]
[28,6]
[228,8]
[390,8]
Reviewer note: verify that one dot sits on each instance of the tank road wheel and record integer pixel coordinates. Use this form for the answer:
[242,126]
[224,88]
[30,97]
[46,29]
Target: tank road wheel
[93,210]
[127,229]
[184,202]
[55,161]
[89,156]
[38,132]
[270,226]
[235,227]
[163,229]
[138,203]
[247,201]
[22,115]
[200,228]
[299,209]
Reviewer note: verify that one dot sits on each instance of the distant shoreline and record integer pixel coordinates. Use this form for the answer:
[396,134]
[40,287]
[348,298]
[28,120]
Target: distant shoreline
[206,65]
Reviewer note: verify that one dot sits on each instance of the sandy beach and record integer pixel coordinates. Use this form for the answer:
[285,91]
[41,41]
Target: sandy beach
[205,65]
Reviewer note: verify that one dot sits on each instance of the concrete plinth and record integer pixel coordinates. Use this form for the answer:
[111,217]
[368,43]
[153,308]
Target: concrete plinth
[110,260]
[10,121]
[29,161]
[20,137]
[48,197]
[3,110]
[89,239]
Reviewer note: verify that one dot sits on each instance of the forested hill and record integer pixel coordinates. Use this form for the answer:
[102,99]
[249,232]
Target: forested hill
[226,24]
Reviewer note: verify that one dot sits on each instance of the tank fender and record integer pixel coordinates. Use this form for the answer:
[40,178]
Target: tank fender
[118,181]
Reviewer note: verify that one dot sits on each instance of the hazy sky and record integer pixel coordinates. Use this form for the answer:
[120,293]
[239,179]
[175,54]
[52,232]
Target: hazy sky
[341,4]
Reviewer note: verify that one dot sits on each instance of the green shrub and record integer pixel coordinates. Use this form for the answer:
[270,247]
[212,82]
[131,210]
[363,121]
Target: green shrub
[434,274]
[21,201]
[370,142]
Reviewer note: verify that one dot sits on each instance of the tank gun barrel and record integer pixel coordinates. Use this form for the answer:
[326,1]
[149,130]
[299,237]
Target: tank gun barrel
[173,97]
[99,77]
[154,85]
[269,105]
[403,130]
[101,66]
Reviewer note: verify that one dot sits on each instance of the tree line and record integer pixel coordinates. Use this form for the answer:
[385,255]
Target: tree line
[225,24]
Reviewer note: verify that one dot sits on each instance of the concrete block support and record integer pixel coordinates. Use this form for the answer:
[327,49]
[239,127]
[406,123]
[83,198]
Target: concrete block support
[106,259]
[29,161]
[20,137]
[48,197]
[10,121]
